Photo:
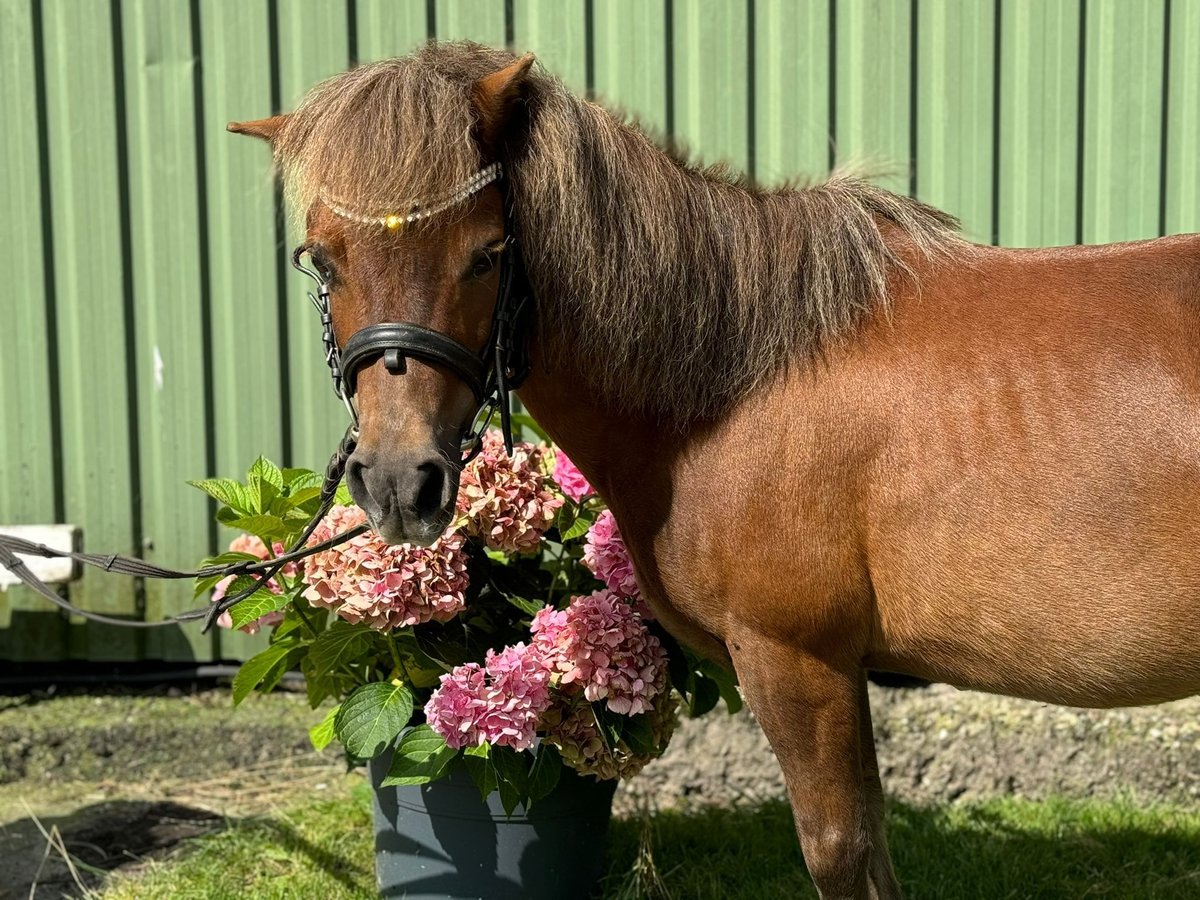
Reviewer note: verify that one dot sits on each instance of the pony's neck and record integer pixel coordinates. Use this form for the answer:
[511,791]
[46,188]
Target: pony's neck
[622,455]
[675,292]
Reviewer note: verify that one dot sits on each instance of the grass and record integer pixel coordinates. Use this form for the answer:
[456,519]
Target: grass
[997,849]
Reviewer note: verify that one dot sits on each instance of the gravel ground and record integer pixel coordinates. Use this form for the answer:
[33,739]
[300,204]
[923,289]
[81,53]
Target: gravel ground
[939,744]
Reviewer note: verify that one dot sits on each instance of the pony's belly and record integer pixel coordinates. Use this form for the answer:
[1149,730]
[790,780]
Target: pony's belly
[1073,650]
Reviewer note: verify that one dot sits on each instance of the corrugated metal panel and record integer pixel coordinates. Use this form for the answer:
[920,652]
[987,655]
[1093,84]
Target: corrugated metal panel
[242,256]
[1181,195]
[313,44]
[954,97]
[632,47]
[711,70]
[872,121]
[1123,90]
[385,28]
[90,269]
[28,628]
[471,20]
[164,288]
[1039,132]
[558,34]
[169,306]
[792,104]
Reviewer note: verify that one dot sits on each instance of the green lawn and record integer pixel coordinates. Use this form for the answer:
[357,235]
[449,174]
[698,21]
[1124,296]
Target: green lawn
[996,849]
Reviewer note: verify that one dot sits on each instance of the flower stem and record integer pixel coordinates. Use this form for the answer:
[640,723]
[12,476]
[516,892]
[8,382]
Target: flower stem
[391,642]
[304,618]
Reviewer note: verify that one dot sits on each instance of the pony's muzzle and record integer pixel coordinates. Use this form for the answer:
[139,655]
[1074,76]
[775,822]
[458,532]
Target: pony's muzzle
[408,498]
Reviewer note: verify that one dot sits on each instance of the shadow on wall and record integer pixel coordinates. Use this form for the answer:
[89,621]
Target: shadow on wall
[47,635]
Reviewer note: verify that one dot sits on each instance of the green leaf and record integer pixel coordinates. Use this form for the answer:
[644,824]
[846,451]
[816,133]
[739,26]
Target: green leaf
[609,724]
[256,668]
[705,694]
[269,528]
[224,490]
[371,718]
[478,760]
[543,777]
[512,777]
[727,683]
[567,513]
[321,685]
[276,672]
[265,470]
[256,606]
[584,520]
[342,497]
[638,733]
[295,479]
[337,647]
[531,607]
[321,734]
[204,585]
[421,756]
[304,495]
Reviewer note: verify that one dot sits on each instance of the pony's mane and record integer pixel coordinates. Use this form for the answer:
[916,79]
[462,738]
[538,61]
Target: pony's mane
[674,290]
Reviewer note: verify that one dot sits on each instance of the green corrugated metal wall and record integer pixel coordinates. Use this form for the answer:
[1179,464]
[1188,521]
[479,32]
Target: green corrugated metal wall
[148,311]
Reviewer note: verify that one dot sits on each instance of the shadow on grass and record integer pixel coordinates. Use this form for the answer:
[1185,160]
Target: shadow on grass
[1000,849]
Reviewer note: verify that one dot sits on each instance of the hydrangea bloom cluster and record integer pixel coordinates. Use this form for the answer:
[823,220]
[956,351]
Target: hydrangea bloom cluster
[248,543]
[604,552]
[569,478]
[506,501]
[600,643]
[500,702]
[573,730]
[366,580]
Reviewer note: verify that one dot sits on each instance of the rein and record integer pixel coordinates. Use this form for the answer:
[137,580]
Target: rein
[491,373]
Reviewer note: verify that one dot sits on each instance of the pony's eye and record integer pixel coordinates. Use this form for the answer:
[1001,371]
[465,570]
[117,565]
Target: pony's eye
[485,261]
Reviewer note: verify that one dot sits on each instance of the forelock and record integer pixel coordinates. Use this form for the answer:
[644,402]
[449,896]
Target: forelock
[387,135]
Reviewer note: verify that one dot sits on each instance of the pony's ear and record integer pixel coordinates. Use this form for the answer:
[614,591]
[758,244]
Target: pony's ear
[494,97]
[265,129]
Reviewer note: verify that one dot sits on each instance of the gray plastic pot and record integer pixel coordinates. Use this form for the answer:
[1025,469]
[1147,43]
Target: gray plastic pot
[441,840]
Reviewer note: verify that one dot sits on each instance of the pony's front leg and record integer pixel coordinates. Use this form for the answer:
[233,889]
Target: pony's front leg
[810,712]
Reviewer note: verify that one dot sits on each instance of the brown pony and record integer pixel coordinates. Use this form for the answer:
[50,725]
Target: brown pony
[837,437]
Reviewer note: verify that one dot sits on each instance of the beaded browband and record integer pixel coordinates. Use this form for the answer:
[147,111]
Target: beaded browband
[395,220]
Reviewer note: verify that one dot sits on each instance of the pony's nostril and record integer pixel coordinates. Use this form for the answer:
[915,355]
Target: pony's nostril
[431,490]
[371,498]
[354,477]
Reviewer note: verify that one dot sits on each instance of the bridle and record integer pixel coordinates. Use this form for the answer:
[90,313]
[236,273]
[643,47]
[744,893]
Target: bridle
[491,373]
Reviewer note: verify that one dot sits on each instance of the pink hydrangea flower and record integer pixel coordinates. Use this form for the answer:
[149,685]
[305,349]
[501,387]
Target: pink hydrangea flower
[500,702]
[506,501]
[366,580]
[604,552]
[248,543]
[569,478]
[600,643]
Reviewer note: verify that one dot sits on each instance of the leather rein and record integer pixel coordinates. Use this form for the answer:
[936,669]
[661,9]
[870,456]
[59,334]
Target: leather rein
[491,373]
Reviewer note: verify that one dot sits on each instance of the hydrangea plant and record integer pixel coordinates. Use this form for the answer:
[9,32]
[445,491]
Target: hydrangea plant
[513,645]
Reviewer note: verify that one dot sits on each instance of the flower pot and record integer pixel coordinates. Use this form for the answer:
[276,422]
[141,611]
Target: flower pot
[441,840]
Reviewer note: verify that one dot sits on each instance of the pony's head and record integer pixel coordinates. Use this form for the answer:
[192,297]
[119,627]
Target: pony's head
[392,169]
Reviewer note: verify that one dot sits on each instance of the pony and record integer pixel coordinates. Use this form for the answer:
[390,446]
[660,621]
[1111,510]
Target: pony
[837,436]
